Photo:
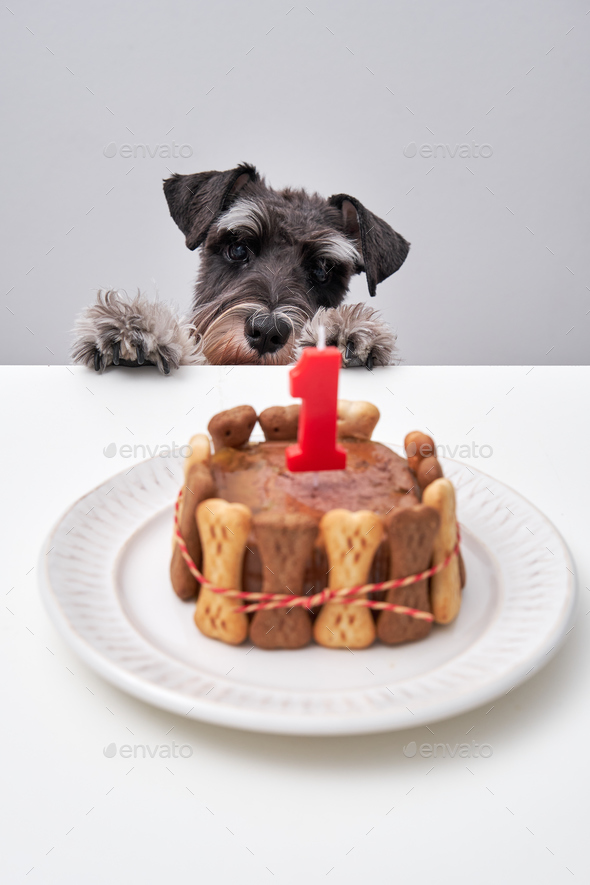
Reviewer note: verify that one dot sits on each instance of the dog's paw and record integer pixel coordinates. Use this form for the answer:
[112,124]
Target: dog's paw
[133,332]
[358,332]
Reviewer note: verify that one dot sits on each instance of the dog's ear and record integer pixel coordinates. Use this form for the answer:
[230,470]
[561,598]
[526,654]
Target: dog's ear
[195,201]
[384,251]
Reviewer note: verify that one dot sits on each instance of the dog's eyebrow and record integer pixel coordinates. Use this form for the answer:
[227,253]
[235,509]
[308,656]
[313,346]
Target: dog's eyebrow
[337,248]
[244,215]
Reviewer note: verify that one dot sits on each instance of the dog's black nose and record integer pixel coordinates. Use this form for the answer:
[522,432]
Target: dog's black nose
[267,333]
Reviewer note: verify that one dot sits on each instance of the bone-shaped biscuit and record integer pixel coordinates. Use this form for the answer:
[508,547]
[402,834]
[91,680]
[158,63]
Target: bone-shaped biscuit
[351,540]
[185,586]
[418,446]
[223,528]
[445,587]
[232,428]
[200,452]
[421,454]
[428,470]
[198,486]
[356,419]
[280,422]
[411,532]
[285,543]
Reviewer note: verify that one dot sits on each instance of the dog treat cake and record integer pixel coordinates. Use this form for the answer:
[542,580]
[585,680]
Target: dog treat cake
[285,558]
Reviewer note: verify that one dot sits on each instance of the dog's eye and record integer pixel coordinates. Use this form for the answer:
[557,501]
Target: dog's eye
[237,252]
[320,272]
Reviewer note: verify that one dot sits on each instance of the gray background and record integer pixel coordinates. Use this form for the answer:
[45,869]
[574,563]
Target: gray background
[327,97]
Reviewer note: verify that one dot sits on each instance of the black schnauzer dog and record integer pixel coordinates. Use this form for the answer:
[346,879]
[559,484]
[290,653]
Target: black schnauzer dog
[275,266]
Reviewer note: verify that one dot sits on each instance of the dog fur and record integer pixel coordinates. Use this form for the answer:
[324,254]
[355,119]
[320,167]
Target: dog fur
[275,265]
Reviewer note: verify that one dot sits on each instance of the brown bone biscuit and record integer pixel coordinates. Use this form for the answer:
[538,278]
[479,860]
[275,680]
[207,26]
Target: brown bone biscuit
[351,540]
[198,486]
[356,419]
[280,422]
[445,587]
[411,533]
[285,543]
[224,531]
[428,470]
[232,428]
[418,445]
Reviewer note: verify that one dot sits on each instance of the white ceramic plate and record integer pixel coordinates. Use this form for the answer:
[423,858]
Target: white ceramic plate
[106,586]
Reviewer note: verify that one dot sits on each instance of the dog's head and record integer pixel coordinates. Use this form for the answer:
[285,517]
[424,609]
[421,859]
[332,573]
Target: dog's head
[271,258]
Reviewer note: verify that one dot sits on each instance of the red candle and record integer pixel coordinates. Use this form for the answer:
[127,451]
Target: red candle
[315,380]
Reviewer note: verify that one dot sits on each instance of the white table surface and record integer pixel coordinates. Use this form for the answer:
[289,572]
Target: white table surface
[254,808]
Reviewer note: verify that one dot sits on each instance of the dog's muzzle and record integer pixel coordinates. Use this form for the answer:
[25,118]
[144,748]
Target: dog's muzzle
[267,333]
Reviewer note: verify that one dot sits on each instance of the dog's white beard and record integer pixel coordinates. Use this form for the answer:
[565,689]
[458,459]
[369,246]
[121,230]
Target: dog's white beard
[222,340]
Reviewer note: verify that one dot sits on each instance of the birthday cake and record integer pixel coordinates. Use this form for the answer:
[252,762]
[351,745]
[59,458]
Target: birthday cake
[342,557]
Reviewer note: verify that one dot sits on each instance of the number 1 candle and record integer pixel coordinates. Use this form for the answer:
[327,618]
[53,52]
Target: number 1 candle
[315,380]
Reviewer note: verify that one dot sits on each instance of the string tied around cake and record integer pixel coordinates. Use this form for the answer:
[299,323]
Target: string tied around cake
[257,601]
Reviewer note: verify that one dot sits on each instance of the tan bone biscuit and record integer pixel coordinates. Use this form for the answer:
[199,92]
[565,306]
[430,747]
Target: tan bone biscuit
[280,422]
[200,453]
[285,542]
[445,587]
[411,533]
[351,540]
[232,428]
[223,529]
[356,419]
[198,486]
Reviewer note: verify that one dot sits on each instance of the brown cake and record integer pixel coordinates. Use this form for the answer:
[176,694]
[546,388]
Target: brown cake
[302,530]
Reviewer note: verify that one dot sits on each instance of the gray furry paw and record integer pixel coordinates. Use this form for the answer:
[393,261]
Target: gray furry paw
[133,332]
[358,332]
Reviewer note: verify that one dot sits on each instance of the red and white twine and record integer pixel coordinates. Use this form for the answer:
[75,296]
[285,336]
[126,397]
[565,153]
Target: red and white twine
[345,596]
